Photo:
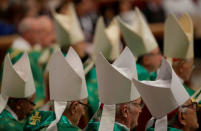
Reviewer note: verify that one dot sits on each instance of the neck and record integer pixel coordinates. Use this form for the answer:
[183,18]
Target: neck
[148,68]
[123,122]
[186,129]
[31,43]
[72,119]
[181,127]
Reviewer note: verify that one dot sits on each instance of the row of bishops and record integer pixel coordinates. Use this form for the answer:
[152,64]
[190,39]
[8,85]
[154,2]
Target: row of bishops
[118,87]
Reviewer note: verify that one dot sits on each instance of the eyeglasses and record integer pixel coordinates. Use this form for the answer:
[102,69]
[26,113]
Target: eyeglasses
[141,105]
[193,105]
[85,105]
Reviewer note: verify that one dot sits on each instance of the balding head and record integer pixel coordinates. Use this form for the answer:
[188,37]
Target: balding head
[28,29]
[45,22]
[128,113]
[46,33]
[27,24]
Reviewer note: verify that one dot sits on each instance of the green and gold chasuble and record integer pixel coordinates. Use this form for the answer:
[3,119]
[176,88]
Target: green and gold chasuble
[9,123]
[40,120]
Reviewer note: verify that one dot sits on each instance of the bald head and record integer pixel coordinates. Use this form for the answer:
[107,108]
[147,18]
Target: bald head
[183,68]
[28,29]
[27,24]
[45,22]
[46,33]
[128,113]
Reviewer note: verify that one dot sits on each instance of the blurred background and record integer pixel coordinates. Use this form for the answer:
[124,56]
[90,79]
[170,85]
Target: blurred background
[88,11]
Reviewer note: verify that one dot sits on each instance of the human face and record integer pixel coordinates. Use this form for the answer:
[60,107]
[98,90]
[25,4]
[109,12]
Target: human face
[189,115]
[46,35]
[125,6]
[153,59]
[81,108]
[136,109]
[31,35]
[80,48]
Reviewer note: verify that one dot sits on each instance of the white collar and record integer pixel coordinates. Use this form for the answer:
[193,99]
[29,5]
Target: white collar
[11,112]
[21,44]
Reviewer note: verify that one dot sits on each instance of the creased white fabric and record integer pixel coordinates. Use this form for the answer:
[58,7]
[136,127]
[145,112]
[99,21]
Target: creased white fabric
[3,102]
[150,123]
[59,107]
[161,124]
[107,118]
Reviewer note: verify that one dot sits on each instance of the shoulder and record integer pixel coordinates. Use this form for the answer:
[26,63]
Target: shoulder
[15,54]
[143,74]
[169,129]
[39,119]
[8,122]
[173,129]
[93,126]
[141,69]
[21,44]
[190,91]
[64,124]
[120,127]
[6,114]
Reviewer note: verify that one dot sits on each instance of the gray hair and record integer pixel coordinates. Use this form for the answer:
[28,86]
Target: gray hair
[118,108]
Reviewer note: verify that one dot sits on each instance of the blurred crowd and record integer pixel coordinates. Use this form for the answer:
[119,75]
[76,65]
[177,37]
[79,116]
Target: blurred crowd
[12,13]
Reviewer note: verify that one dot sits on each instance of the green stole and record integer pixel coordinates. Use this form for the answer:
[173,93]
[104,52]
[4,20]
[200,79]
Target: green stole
[92,88]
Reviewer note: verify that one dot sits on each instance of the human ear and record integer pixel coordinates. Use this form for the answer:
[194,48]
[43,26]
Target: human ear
[74,107]
[181,118]
[181,66]
[125,111]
